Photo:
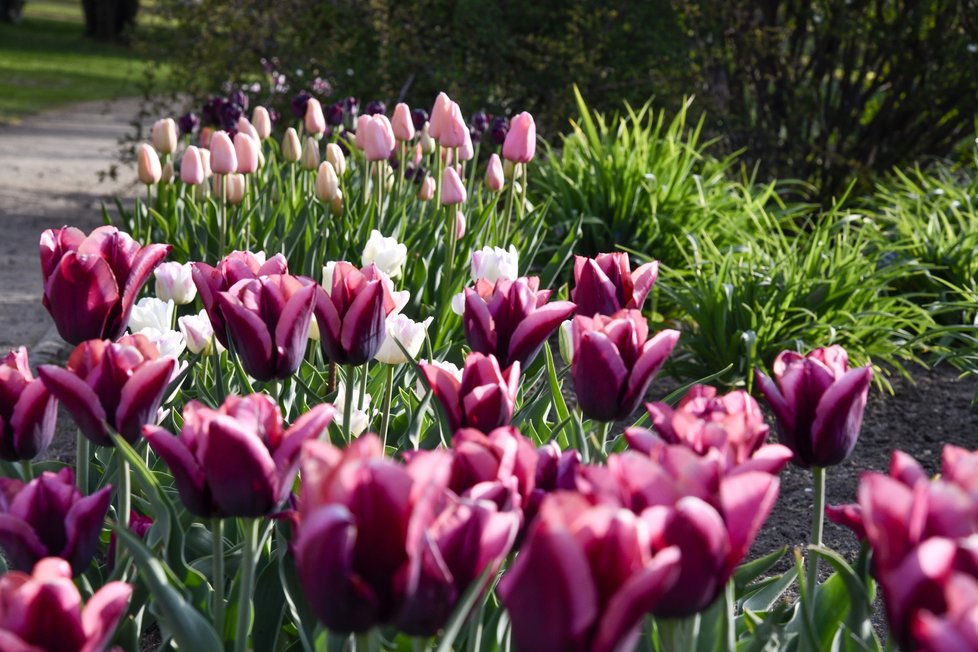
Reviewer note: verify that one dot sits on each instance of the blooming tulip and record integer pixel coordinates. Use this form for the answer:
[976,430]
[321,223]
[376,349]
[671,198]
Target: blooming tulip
[485,397]
[198,333]
[386,253]
[164,136]
[111,386]
[148,165]
[818,403]
[494,174]
[335,156]
[47,517]
[452,188]
[42,612]
[427,190]
[378,138]
[291,147]
[246,150]
[237,460]
[192,170]
[402,124]
[315,121]
[614,362]
[521,141]
[28,412]
[605,284]
[268,322]
[421,388]
[511,319]
[175,282]
[91,283]
[494,263]
[404,330]
[224,159]
[503,455]
[262,122]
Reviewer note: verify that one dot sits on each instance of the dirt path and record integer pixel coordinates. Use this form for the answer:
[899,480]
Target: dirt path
[49,167]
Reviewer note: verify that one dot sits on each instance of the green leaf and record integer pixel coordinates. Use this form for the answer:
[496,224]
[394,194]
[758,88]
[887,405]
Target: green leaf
[747,573]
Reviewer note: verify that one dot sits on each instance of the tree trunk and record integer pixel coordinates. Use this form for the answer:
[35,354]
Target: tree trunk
[108,20]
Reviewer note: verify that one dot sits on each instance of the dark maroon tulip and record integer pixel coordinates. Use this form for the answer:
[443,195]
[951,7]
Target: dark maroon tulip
[49,517]
[511,319]
[43,612]
[585,578]
[615,361]
[236,460]
[606,284]
[235,267]
[91,283]
[268,320]
[484,399]
[818,402]
[351,314]
[28,412]
[503,455]
[111,386]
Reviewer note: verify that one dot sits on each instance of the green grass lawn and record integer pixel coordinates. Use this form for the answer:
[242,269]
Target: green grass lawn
[47,61]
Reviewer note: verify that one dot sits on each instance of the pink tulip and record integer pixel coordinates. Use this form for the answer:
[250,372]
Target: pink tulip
[192,167]
[452,188]
[459,225]
[361,133]
[205,137]
[262,122]
[235,188]
[246,149]
[441,113]
[164,135]
[494,174]
[454,131]
[28,412]
[378,138]
[245,127]
[148,165]
[606,284]
[224,159]
[402,124]
[427,190]
[315,120]
[521,141]
[485,397]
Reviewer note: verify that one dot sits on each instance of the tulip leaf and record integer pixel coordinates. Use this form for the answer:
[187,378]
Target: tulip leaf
[562,256]
[302,616]
[473,594]
[765,598]
[860,634]
[747,573]
[187,627]
[560,405]
[269,602]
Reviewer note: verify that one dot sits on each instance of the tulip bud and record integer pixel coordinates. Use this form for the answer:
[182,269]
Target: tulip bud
[236,188]
[459,225]
[148,165]
[494,263]
[411,335]
[291,148]
[262,122]
[224,160]
[512,170]
[336,158]
[378,139]
[566,342]
[246,149]
[336,205]
[205,136]
[205,162]
[402,124]
[440,115]
[327,183]
[452,189]
[427,190]
[310,154]
[521,141]
[191,167]
[164,136]
[167,174]
[361,133]
[454,131]
[426,141]
[494,174]
[466,152]
[315,120]
[175,282]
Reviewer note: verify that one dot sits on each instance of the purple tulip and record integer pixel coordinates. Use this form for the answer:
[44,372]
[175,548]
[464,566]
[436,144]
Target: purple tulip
[334,114]
[111,386]
[511,319]
[240,98]
[605,284]
[48,517]
[235,267]
[91,283]
[614,362]
[298,104]
[585,578]
[213,110]
[418,118]
[375,107]
[28,412]
[480,124]
[485,397]
[818,402]
[188,123]
[42,612]
[352,313]
[268,320]
[237,460]
[498,131]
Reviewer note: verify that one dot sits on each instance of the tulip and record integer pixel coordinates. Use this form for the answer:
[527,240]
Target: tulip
[237,460]
[310,154]
[192,170]
[28,412]
[378,138]
[466,152]
[503,455]
[454,131]
[386,253]
[360,133]
[421,387]
[235,188]
[605,284]
[187,123]
[244,126]
[426,141]
[360,412]
[246,148]
[494,263]
[291,147]
[48,517]
[494,174]
[175,282]
[427,190]
[205,162]
[164,136]
[511,319]
[315,121]
[459,225]
[205,137]
[224,159]
[150,312]
[148,165]
[614,362]
[336,204]
[170,343]
[440,115]
[268,321]
[91,283]
[111,386]
[521,140]
[42,612]
[197,332]
[585,578]
[485,397]
[335,156]
[404,330]
[166,175]
[327,184]
[402,124]
[452,188]
[818,403]
[262,122]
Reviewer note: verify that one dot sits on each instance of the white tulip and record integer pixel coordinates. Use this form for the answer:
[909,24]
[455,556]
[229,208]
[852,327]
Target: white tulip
[409,333]
[198,332]
[175,282]
[360,415]
[151,312]
[493,263]
[386,253]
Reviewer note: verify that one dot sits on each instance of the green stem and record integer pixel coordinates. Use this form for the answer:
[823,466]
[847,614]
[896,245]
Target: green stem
[217,547]
[818,518]
[223,225]
[124,498]
[729,624]
[509,206]
[249,555]
[450,262]
[605,430]
[27,469]
[351,380]
[363,385]
[388,395]
[83,457]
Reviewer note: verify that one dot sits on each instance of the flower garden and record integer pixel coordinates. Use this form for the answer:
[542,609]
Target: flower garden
[380,380]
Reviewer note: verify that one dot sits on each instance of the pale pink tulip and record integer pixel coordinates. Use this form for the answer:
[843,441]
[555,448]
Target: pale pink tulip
[148,165]
[315,121]
[262,122]
[452,189]
[402,124]
[494,174]
[246,150]
[378,138]
[224,160]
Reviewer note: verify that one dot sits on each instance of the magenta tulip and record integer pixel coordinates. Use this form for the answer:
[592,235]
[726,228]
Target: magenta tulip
[268,321]
[521,141]
[606,284]
[48,517]
[224,160]
[485,397]
[91,283]
[511,319]
[378,138]
[111,386]
[353,312]
[615,361]
[818,403]
[28,412]
[43,612]
[237,460]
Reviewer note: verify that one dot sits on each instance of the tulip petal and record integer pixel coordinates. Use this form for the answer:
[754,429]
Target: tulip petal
[20,543]
[599,376]
[102,613]
[55,243]
[445,388]
[141,267]
[141,397]
[239,469]
[81,295]
[643,279]
[292,331]
[654,354]
[593,291]
[363,324]
[478,323]
[83,524]
[839,416]
[187,473]
[80,400]
[532,332]
[33,420]
[747,500]
[50,617]
[310,425]
[253,342]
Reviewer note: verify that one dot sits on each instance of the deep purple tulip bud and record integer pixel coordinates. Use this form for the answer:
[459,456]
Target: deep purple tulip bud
[419,117]
[606,284]
[375,107]
[298,104]
[212,110]
[28,412]
[91,283]
[498,131]
[238,460]
[230,112]
[49,517]
[111,386]
[240,98]
[188,123]
[818,403]
[268,321]
[615,361]
[485,397]
[334,114]
[480,124]
[511,319]
[43,612]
